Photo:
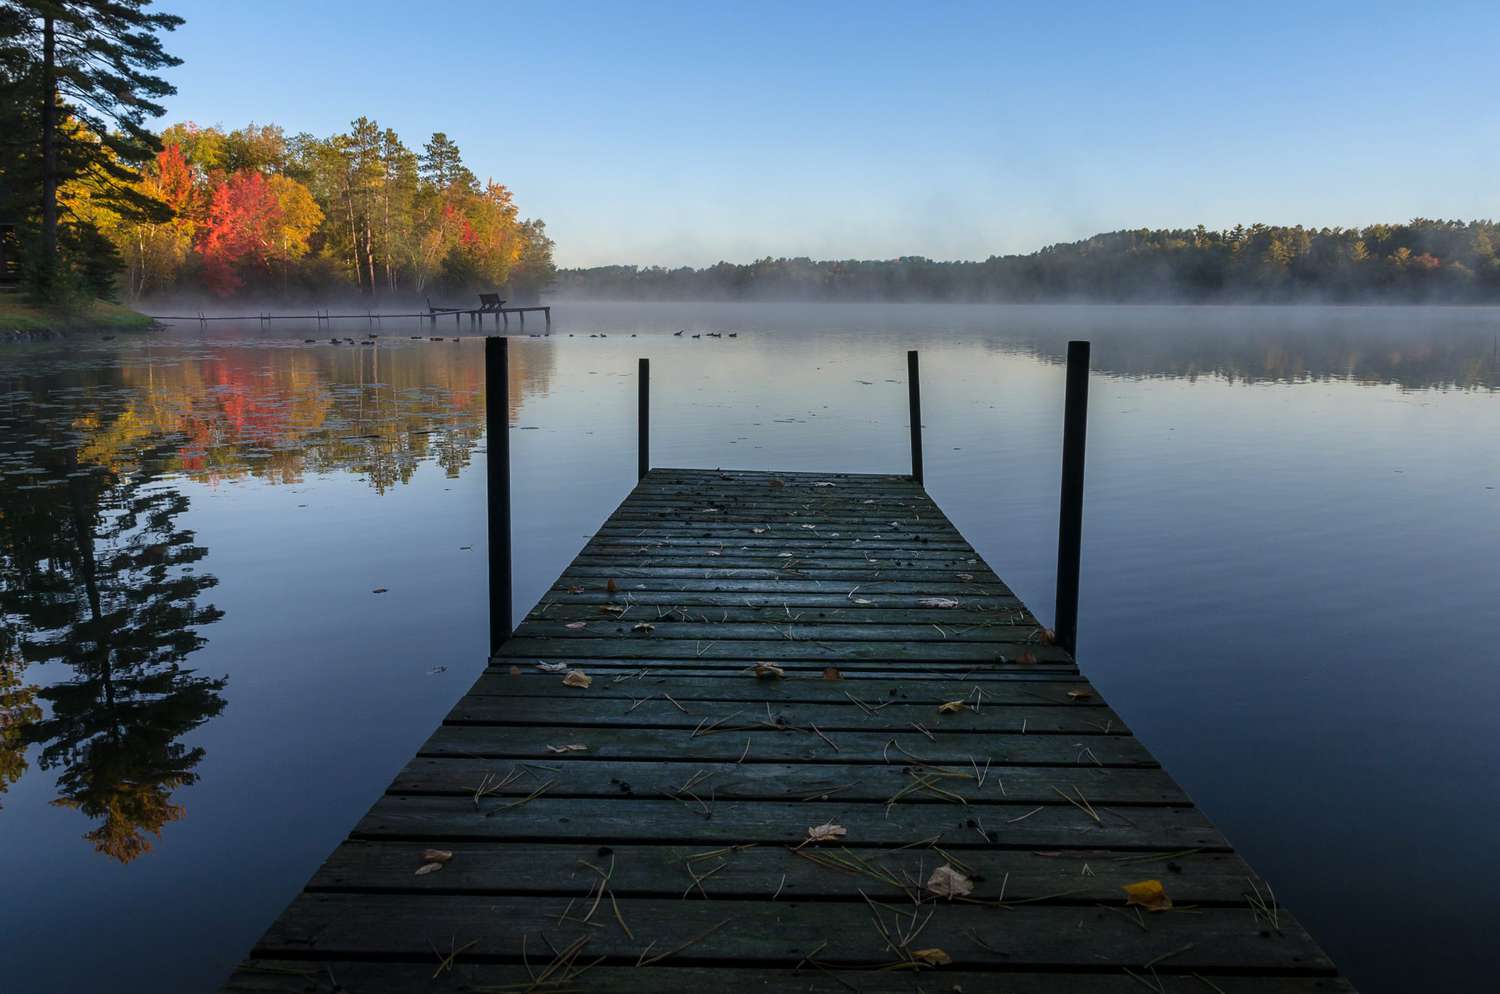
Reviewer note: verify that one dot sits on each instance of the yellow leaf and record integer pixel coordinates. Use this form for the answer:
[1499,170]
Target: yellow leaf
[949,707]
[1149,894]
[948,882]
[1080,695]
[436,855]
[932,957]
[577,678]
[767,670]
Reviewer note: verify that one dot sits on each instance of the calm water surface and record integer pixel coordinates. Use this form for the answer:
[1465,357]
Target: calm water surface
[1292,535]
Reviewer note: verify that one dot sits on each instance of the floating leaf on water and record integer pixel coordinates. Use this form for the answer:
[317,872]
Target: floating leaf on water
[932,957]
[832,673]
[569,747]
[378,590]
[949,707]
[826,832]
[948,882]
[945,602]
[552,667]
[436,855]
[767,670]
[577,678]
[1148,894]
[436,670]
[427,868]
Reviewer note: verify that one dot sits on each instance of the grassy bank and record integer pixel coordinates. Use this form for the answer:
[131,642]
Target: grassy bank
[16,316]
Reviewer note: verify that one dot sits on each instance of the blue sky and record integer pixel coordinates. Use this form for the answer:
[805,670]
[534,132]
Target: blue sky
[687,133]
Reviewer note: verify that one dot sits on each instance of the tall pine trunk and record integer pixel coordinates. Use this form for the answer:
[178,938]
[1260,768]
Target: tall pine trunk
[49,145]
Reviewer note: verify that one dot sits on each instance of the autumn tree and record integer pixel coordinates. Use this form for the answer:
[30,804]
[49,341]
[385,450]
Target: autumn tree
[90,67]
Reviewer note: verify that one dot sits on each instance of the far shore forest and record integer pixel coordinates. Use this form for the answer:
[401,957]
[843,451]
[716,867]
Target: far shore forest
[95,204]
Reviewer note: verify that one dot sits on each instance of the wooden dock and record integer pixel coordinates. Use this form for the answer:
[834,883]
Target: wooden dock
[814,744]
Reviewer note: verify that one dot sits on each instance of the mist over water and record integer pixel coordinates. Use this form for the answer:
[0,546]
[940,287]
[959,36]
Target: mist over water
[1289,578]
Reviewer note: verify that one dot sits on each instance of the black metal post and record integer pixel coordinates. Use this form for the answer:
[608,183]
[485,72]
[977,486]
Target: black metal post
[1070,513]
[497,483]
[914,389]
[643,420]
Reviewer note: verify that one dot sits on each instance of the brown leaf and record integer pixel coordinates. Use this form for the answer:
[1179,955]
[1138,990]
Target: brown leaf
[947,602]
[951,707]
[575,590]
[515,671]
[575,625]
[778,483]
[826,832]
[1046,636]
[427,868]
[645,627]
[766,670]
[612,587]
[948,882]
[436,856]
[1149,894]
[1081,695]
[932,957]
[577,678]
[614,609]
[1027,657]
[570,747]
[552,667]
[832,673]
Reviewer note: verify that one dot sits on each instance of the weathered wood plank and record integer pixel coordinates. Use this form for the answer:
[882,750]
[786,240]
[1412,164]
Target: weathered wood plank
[755,780]
[845,716]
[780,614]
[805,631]
[766,744]
[781,932]
[299,976]
[775,648]
[1065,877]
[1010,687]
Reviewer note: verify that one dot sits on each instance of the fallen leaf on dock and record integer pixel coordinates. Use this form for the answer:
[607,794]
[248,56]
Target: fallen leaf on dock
[757,531]
[823,483]
[427,868]
[1026,657]
[644,626]
[436,856]
[947,602]
[1046,636]
[614,609]
[552,667]
[515,671]
[951,707]
[1148,894]
[1080,695]
[826,832]
[577,678]
[765,670]
[832,673]
[575,625]
[575,590]
[777,483]
[948,882]
[714,552]
[932,957]
[862,600]
[966,577]
[570,747]
[612,587]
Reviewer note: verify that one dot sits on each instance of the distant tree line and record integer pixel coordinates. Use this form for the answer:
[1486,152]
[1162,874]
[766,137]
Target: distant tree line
[95,204]
[1423,260]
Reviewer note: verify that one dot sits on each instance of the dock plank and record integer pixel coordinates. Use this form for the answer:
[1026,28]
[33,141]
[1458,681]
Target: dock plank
[657,822]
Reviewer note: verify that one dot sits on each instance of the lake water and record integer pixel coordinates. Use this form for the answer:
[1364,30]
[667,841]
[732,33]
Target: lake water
[1291,582]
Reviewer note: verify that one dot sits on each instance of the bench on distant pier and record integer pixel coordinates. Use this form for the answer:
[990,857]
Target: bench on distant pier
[490,302]
[442,310]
